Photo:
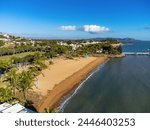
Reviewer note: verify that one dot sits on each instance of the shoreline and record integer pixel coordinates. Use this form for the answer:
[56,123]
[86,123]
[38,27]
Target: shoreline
[66,87]
[68,97]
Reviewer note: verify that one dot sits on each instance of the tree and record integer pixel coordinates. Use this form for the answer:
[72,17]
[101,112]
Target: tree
[5,66]
[34,70]
[2,43]
[119,49]
[38,61]
[51,54]
[26,82]
[6,95]
[36,57]
[13,78]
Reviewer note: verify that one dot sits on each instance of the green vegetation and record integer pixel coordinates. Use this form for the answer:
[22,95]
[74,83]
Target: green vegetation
[12,78]
[5,66]
[1,43]
[103,48]
[20,55]
[33,57]
[49,110]
[19,49]
[6,95]
[23,81]
[1,36]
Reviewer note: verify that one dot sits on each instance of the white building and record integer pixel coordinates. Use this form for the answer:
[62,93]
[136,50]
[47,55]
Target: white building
[6,35]
[91,43]
[16,108]
[4,39]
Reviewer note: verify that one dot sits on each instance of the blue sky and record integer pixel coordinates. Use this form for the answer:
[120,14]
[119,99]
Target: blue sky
[76,18]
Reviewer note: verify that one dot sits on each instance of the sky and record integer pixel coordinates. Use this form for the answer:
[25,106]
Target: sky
[76,19]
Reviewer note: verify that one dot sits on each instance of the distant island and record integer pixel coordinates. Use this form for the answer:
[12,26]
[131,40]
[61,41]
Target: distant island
[123,40]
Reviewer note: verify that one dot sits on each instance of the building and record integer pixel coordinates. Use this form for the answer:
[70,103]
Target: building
[6,35]
[4,39]
[16,108]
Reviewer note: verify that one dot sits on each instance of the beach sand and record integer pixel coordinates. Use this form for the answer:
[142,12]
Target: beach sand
[59,71]
[62,77]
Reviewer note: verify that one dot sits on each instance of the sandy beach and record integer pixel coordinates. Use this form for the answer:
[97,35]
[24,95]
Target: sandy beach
[62,77]
[59,71]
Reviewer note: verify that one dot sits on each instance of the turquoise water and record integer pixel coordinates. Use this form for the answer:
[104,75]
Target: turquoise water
[121,85]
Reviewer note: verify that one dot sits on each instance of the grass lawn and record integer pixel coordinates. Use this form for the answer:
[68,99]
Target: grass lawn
[16,55]
[6,58]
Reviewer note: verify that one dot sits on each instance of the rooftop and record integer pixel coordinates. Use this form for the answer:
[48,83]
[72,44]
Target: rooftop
[16,108]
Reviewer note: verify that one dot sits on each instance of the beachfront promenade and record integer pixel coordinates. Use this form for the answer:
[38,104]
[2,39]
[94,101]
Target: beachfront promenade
[136,53]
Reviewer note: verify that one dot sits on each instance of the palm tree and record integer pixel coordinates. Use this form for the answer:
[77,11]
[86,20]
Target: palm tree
[37,56]
[38,62]
[41,65]
[5,65]
[13,78]
[6,95]
[26,82]
[34,70]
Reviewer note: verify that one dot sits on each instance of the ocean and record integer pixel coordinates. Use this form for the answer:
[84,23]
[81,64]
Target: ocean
[137,46]
[121,85]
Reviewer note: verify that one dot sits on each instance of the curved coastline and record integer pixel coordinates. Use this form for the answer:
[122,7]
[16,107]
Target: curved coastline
[54,98]
[71,95]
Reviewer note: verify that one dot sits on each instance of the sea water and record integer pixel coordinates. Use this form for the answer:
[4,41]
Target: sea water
[121,85]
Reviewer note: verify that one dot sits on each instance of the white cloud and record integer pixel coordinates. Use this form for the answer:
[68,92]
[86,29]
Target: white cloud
[95,29]
[68,28]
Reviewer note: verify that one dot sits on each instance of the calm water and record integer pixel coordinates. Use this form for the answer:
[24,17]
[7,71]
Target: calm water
[138,46]
[121,85]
